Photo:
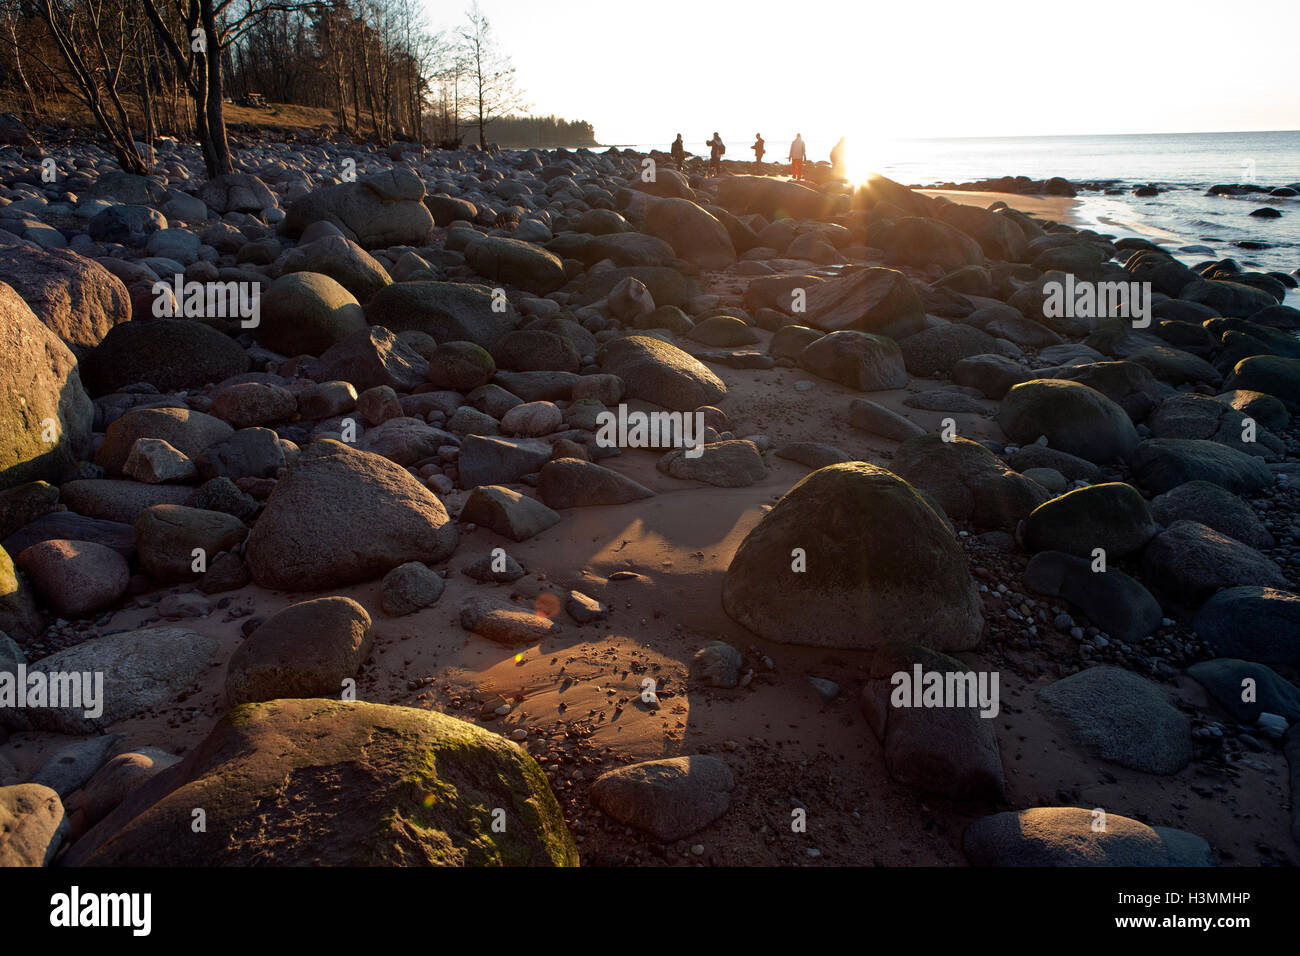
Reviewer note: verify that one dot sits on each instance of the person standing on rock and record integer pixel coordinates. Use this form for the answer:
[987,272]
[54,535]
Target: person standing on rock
[759,147]
[678,151]
[797,153]
[716,148]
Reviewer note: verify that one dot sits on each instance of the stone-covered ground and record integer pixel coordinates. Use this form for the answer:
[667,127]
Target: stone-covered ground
[385,486]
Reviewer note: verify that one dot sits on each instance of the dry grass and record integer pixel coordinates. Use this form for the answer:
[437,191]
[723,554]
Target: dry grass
[69,113]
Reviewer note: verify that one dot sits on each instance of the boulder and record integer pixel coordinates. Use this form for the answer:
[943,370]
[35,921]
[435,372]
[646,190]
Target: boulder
[75,578]
[375,211]
[77,298]
[939,348]
[460,366]
[724,464]
[658,372]
[371,357]
[448,311]
[304,313]
[1128,384]
[32,825]
[343,261]
[694,235]
[1160,464]
[143,669]
[881,566]
[876,419]
[952,750]
[1073,417]
[306,650]
[45,414]
[306,538]
[169,354]
[857,360]
[1123,718]
[573,483]
[1270,374]
[1067,836]
[168,537]
[1226,680]
[186,431]
[408,787]
[968,481]
[669,798]
[879,301]
[1190,561]
[917,241]
[236,192]
[19,617]
[1111,516]
[992,375]
[517,263]
[1215,506]
[486,460]
[1253,623]
[409,588]
[504,623]
[1113,601]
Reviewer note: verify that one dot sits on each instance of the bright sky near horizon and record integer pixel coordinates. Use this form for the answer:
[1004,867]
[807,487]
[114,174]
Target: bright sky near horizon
[642,72]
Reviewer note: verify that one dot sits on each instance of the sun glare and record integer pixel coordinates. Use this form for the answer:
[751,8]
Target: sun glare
[859,160]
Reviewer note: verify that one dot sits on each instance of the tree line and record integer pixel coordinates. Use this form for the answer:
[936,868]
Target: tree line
[144,68]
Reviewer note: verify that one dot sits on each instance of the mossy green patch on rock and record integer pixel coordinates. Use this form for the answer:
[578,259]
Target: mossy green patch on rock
[45,414]
[326,783]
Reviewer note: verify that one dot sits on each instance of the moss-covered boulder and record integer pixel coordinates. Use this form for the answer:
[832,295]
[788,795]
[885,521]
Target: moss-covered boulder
[515,262]
[968,481]
[462,366]
[45,415]
[854,557]
[1113,516]
[19,617]
[327,783]
[1073,417]
[306,313]
[1270,374]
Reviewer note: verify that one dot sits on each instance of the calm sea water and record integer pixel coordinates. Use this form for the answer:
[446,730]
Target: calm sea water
[1182,165]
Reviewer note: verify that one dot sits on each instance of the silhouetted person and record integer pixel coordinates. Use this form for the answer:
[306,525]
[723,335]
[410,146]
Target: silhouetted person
[716,148]
[839,168]
[678,151]
[798,151]
[759,147]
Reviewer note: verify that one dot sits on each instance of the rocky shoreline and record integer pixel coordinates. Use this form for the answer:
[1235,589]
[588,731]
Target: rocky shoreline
[303,461]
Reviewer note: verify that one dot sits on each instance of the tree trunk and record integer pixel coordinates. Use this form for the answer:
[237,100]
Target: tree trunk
[216,117]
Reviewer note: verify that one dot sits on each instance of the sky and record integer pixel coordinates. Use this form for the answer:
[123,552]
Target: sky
[642,70]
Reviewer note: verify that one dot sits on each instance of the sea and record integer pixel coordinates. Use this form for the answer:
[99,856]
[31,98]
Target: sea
[1182,166]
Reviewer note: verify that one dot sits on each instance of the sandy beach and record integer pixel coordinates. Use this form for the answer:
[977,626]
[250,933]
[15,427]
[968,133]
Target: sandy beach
[1056,208]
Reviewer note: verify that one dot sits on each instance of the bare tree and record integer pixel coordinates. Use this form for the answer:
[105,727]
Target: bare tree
[195,33]
[496,91]
[92,39]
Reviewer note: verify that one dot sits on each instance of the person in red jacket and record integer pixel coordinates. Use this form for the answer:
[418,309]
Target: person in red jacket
[798,152]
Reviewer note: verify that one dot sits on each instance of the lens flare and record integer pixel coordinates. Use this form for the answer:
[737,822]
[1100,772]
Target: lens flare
[547,605]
